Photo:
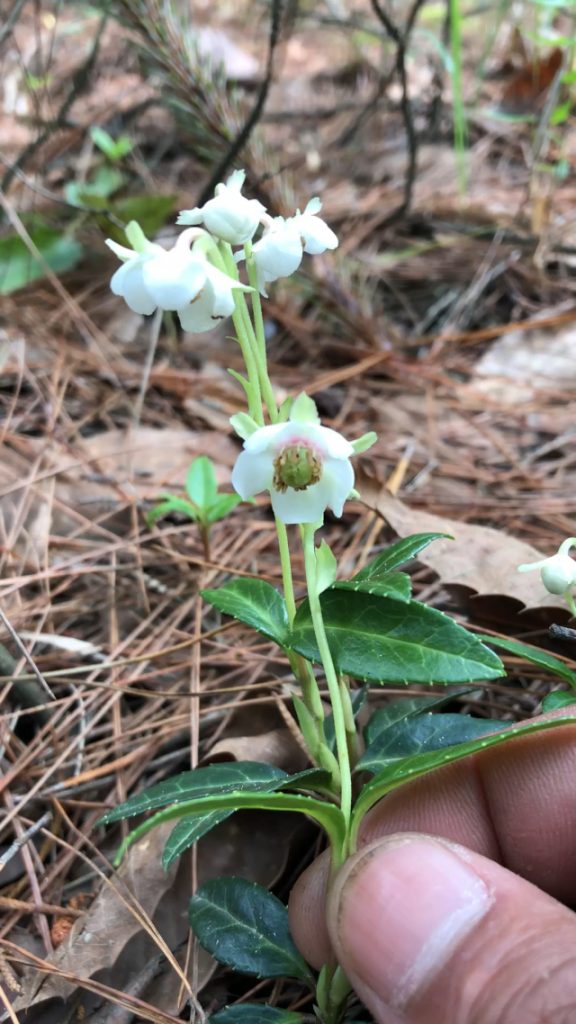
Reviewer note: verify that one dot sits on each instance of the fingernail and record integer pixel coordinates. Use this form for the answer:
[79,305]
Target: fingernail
[403,909]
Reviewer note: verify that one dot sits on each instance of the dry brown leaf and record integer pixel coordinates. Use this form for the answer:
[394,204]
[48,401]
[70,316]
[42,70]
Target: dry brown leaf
[109,939]
[479,557]
[536,359]
[277,747]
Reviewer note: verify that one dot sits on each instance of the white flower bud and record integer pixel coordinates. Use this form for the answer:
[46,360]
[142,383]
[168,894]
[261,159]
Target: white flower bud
[229,215]
[558,573]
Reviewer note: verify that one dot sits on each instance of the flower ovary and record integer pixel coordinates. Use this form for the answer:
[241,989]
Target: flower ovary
[296,466]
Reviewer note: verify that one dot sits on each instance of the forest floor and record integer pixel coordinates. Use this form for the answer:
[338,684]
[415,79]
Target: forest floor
[445,322]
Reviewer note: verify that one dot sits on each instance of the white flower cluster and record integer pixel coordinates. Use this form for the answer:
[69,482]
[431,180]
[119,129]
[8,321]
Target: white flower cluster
[185,280]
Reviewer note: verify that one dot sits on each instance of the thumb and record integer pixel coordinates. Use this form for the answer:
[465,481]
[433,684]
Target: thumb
[429,932]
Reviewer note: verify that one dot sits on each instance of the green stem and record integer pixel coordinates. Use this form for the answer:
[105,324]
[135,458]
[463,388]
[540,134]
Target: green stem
[332,681]
[350,723]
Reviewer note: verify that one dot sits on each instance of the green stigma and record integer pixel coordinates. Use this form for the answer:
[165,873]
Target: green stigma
[296,466]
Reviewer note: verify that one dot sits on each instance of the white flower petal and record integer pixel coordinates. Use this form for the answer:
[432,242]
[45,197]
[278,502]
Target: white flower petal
[316,234]
[333,444]
[301,506]
[338,476]
[174,278]
[198,317]
[121,251]
[128,281]
[268,438]
[252,473]
[277,254]
[194,216]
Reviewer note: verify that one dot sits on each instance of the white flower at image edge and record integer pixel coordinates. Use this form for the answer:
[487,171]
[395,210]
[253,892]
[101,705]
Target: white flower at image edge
[558,573]
[229,215]
[305,467]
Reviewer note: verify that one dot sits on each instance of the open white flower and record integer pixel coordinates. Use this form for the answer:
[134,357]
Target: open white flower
[305,466]
[229,215]
[153,277]
[558,573]
[315,234]
[213,303]
[278,253]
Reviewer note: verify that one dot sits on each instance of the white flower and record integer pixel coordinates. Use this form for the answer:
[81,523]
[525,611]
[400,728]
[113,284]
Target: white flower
[152,276]
[315,233]
[558,573]
[278,253]
[229,216]
[214,302]
[305,466]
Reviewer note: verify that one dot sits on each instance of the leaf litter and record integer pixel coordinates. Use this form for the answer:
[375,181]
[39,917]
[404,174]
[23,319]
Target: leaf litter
[415,335]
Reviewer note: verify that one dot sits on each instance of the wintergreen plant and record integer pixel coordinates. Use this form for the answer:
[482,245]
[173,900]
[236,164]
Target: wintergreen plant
[343,635]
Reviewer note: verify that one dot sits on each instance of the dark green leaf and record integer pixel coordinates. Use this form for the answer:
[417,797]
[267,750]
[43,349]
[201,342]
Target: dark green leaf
[400,772]
[424,733]
[241,776]
[378,639]
[254,602]
[201,485]
[398,554]
[536,656]
[220,508]
[326,814]
[188,831]
[558,699]
[396,585]
[171,505]
[18,267]
[245,927]
[404,709]
[255,1013]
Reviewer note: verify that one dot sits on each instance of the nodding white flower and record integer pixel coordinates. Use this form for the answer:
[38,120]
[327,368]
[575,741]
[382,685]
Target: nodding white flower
[179,280]
[213,303]
[278,253]
[152,276]
[558,573]
[315,233]
[229,215]
[305,466]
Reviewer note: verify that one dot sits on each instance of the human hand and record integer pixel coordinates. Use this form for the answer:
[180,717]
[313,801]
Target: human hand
[433,932]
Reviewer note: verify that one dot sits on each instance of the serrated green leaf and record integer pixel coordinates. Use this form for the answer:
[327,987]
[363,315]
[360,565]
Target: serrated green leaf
[254,602]
[558,699]
[327,815]
[201,486]
[244,926]
[18,267]
[170,505]
[422,734]
[229,777]
[378,639]
[401,772]
[255,1013]
[222,506]
[396,585]
[399,553]
[406,708]
[188,831]
[536,656]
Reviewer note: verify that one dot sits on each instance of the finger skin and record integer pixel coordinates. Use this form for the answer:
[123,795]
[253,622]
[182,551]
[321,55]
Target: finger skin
[503,953]
[514,803]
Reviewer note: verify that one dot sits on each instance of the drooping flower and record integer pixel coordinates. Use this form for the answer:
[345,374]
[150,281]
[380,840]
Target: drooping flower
[180,279]
[152,277]
[306,467]
[558,573]
[315,233]
[229,215]
[278,253]
[213,303]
